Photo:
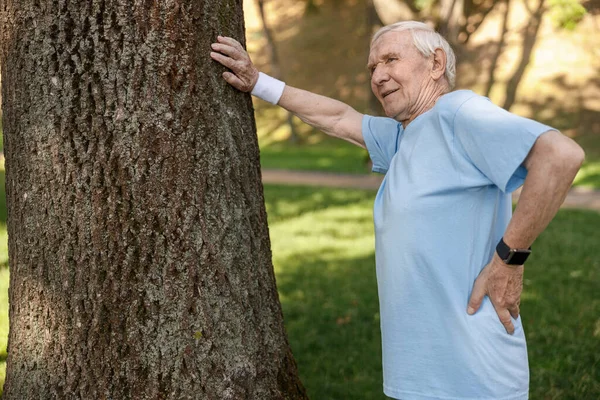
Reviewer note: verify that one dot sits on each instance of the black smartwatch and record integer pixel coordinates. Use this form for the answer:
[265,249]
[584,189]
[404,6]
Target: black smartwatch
[512,256]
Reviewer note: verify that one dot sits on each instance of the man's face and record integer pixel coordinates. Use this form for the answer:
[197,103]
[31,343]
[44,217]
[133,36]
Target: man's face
[399,73]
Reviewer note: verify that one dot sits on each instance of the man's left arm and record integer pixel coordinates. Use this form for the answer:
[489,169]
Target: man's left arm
[551,167]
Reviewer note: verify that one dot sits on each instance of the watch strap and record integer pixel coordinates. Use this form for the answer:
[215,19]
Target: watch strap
[512,256]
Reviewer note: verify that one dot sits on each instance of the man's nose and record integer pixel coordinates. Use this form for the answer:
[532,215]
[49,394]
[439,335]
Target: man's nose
[380,75]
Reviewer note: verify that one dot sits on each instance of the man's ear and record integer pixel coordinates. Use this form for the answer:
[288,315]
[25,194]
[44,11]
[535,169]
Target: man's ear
[438,67]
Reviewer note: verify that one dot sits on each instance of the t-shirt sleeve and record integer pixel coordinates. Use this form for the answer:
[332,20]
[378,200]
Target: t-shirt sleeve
[381,137]
[496,141]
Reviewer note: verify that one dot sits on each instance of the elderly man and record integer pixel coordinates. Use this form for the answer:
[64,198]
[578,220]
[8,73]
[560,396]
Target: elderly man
[449,256]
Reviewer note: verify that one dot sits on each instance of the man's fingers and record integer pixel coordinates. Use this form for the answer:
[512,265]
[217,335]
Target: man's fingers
[504,317]
[227,50]
[514,311]
[477,295]
[241,76]
[234,81]
[226,61]
[230,41]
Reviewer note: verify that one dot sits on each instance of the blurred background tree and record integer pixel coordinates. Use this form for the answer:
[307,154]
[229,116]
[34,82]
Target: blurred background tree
[537,58]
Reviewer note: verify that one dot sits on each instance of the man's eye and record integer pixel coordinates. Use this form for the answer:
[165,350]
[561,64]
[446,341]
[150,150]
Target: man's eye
[391,59]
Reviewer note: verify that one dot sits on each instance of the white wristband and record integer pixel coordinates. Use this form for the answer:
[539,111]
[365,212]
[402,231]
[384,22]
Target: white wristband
[268,88]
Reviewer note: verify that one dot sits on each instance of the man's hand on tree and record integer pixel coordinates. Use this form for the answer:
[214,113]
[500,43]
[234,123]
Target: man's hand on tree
[503,285]
[231,54]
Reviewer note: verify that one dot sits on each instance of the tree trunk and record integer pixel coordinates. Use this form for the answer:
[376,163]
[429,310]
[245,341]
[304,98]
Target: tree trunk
[491,79]
[530,33]
[139,250]
[451,19]
[474,13]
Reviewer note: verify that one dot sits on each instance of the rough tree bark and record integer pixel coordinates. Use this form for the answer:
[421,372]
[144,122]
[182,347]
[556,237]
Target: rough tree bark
[139,251]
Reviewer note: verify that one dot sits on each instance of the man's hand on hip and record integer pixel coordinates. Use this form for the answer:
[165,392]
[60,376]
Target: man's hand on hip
[231,54]
[503,284]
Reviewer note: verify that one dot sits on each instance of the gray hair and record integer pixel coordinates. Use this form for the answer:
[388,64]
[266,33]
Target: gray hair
[426,40]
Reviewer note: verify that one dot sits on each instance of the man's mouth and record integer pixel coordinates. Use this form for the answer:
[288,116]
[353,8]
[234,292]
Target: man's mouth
[388,92]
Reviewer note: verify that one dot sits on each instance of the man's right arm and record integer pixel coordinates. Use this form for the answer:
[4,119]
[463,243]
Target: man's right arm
[330,116]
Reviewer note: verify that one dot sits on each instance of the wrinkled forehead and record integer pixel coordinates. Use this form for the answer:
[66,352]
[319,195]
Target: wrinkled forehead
[392,42]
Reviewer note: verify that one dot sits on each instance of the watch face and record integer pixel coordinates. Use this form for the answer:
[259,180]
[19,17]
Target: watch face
[517,257]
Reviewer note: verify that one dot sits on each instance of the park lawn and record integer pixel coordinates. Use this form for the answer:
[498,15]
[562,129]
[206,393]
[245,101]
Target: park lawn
[311,151]
[331,155]
[323,253]
[589,175]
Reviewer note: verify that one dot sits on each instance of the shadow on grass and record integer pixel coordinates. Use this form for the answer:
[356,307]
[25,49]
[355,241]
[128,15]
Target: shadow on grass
[287,202]
[331,313]
[333,156]
[329,297]
[323,255]
[561,308]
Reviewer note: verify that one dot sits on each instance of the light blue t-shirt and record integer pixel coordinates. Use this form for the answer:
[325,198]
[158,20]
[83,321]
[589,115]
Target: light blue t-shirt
[440,211]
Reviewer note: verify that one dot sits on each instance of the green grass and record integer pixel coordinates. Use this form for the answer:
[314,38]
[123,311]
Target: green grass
[323,256]
[323,252]
[338,156]
[561,309]
[312,151]
[589,175]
